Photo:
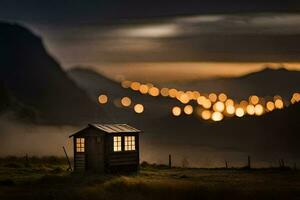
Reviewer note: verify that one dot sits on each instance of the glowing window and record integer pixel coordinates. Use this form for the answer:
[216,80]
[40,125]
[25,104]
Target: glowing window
[129,143]
[117,143]
[79,144]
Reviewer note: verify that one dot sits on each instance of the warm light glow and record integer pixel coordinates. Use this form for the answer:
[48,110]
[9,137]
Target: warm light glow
[196,95]
[103,99]
[230,109]
[190,95]
[217,116]
[254,99]
[80,145]
[219,106]
[117,143]
[126,84]
[259,109]
[279,104]
[250,109]
[172,93]
[206,104]
[183,98]
[244,104]
[212,97]
[126,101]
[222,97]
[139,108]
[144,89]
[239,112]
[164,92]
[270,106]
[188,109]
[295,98]
[206,114]
[200,100]
[154,91]
[229,102]
[176,111]
[129,143]
[135,86]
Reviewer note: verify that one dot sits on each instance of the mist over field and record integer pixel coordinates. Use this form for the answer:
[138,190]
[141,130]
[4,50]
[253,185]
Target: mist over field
[19,139]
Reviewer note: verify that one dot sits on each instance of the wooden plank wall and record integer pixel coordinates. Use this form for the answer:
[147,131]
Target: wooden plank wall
[79,160]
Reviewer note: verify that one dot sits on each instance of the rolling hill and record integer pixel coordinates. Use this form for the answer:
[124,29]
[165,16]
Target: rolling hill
[267,82]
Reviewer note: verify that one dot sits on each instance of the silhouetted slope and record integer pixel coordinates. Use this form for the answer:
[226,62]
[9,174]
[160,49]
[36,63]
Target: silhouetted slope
[36,79]
[95,83]
[14,109]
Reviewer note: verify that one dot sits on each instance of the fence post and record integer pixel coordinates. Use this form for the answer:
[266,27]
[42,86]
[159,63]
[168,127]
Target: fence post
[170,161]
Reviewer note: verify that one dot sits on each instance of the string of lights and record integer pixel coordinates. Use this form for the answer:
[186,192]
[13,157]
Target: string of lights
[211,106]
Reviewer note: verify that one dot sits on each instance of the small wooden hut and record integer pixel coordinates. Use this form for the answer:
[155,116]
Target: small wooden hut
[106,148]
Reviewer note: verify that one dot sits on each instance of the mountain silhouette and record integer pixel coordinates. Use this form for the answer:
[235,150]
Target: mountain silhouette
[37,80]
[267,82]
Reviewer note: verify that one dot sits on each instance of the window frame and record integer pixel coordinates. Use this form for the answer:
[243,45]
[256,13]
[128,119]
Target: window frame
[130,143]
[119,147]
[80,145]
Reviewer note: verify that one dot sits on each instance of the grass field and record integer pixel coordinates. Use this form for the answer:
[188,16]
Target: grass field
[47,178]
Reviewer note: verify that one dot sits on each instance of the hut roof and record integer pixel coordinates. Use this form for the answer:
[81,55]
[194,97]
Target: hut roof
[112,128]
[115,128]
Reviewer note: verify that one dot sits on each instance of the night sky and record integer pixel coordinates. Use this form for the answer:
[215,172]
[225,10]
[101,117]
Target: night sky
[118,37]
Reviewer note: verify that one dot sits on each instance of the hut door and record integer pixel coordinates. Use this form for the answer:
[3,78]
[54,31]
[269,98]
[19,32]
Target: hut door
[95,154]
[91,153]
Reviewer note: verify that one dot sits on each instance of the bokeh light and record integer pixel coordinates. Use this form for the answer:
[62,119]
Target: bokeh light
[172,93]
[219,106]
[103,99]
[176,111]
[239,112]
[183,98]
[206,114]
[212,97]
[207,104]
[217,116]
[144,89]
[222,97]
[259,109]
[154,91]
[270,106]
[295,98]
[188,109]
[135,86]
[139,108]
[279,103]
[126,101]
[254,99]
[229,102]
[164,92]
[250,109]
[230,109]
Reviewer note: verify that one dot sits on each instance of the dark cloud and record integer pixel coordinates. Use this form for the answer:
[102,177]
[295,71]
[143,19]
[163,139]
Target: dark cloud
[233,38]
[160,31]
[81,11]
